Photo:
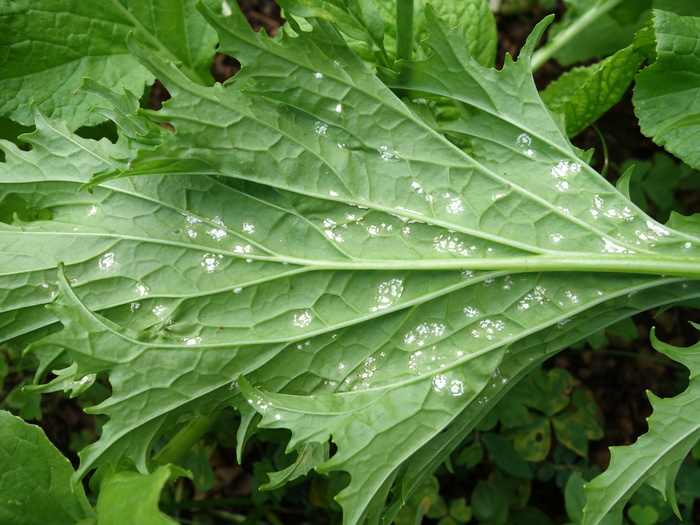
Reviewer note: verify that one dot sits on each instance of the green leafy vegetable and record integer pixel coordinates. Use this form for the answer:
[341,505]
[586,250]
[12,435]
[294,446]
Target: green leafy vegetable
[306,248]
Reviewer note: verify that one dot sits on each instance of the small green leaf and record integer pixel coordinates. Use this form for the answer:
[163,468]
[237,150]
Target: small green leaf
[489,503]
[459,510]
[506,456]
[310,455]
[584,94]
[665,96]
[420,503]
[556,387]
[35,485]
[574,430]
[643,515]
[130,497]
[533,439]
[471,455]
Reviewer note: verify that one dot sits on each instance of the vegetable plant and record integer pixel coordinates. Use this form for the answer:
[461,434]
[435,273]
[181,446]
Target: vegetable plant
[366,237]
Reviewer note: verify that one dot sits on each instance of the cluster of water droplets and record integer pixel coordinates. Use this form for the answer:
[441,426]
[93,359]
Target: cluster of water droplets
[387,294]
[107,261]
[442,383]
[302,319]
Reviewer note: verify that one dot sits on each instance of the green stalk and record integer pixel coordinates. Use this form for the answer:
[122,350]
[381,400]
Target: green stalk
[542,55]
[404,39]
[185,439]
[404,29]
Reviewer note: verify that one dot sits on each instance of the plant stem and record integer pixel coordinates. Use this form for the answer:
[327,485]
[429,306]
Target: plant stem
[542,55]
[404,29]
[186,438]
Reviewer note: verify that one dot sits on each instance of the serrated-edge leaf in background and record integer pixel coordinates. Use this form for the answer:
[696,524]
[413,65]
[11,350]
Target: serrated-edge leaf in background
[674,428]
[33,36]
[667,92]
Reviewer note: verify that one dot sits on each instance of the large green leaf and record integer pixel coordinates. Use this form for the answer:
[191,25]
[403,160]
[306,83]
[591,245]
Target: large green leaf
[33,35]
[303,245]
[667,93]
[35,484]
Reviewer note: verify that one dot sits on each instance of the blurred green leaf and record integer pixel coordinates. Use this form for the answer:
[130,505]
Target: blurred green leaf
[489,503]
[36,481]
[533,439]
[130,497]
[505,456]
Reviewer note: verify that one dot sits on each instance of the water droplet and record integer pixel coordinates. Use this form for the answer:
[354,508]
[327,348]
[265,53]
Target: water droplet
[321,128]
[439,382]
[50,288]
[658,230]
[563,322]
[217,234]
[211,262]
[571,296]
[106,262]
[454,205]
[424,331]
[611,247]
[470,311]
[488,328]
[536,297]
[457,388]
[388,292]
[242,249]
[302,319]
[386,155]
[525,142]
[369,368]
[160,311]
[451,244]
